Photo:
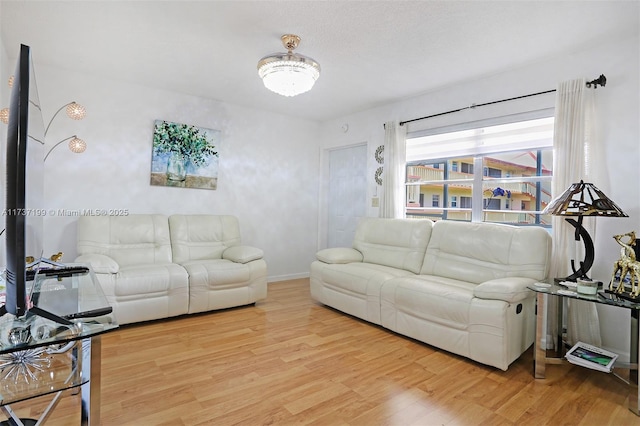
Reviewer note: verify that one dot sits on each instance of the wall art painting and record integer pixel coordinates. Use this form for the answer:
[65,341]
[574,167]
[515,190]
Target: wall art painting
[184,156]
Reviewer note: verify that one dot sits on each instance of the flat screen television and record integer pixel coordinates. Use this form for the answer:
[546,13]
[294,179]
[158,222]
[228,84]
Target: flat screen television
[24,212]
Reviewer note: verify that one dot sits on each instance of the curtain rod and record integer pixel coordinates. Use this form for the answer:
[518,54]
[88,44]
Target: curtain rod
[602,81]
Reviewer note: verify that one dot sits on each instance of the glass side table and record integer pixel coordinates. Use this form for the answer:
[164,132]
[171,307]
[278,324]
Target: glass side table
[542,356]
[39,356]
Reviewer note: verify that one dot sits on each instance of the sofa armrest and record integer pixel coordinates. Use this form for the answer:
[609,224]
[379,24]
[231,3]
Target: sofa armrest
[512,289]
[339,255]
[242,254]
[100,263]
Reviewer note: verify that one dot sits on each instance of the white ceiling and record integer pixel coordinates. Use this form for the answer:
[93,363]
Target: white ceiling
[371,52]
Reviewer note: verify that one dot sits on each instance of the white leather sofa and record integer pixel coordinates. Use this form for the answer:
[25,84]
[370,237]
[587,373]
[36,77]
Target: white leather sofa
[459,286]
[222,272]
[153,266]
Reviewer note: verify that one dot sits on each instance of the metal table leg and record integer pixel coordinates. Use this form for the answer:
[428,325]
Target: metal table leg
[634,398]
[540,355]
[90,392]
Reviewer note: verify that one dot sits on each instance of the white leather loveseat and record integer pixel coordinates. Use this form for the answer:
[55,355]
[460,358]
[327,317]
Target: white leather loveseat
[459,286]
[153,266]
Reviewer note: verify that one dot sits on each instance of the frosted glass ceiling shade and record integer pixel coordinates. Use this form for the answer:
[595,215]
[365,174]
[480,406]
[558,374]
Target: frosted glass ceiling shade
[288,74]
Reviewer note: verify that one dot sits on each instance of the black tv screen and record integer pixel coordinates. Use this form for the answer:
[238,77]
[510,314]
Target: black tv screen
[24,179]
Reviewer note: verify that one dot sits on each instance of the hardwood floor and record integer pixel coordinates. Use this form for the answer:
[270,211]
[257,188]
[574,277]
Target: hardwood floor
[289,360]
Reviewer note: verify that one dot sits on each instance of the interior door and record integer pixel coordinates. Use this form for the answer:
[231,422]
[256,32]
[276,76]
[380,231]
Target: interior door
[347,193]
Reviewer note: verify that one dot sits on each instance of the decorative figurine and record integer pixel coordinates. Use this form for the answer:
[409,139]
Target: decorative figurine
[627,264]
[56,257]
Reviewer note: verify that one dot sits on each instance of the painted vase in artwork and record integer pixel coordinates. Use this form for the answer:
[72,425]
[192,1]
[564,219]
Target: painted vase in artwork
[181,149]
[176,167]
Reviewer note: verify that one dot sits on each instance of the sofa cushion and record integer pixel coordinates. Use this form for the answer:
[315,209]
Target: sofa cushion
[128,240]
[439,300]
[100,263]
[359,278]
[148,280]
[478,252]
[198,237]
[353,288]
[217,274]
[397,243]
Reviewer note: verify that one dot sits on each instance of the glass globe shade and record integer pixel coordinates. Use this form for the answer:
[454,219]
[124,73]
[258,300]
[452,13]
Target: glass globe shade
[77,145]
[4,115]
[76,111]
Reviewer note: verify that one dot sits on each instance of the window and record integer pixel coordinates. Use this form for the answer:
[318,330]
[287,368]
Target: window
[492,172]
[467,168]
[512,184]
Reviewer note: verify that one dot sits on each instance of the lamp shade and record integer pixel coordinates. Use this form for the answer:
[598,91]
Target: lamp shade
[4,115]
[583,199]
[76,111]
[77,145]
[288,74]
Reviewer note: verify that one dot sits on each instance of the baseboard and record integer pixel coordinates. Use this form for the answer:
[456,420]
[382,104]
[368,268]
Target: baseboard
[287,277]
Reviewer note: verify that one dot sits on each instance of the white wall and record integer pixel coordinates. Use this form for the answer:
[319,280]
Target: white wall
[618,116]
[268,174]
[6,69]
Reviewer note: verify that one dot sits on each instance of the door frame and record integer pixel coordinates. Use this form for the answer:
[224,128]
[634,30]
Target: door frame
[323,213]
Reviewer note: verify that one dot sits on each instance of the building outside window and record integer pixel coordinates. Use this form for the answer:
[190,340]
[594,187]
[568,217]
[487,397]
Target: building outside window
[514,164]
[467,168]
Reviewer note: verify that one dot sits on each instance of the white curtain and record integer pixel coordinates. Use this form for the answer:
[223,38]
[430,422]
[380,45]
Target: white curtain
[573,145]
[393,175]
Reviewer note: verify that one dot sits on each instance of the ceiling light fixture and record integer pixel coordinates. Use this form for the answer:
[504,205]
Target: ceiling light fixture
[288,74]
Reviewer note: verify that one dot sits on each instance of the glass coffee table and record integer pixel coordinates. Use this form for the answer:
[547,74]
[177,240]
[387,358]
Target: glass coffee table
[40,356]
[542,356]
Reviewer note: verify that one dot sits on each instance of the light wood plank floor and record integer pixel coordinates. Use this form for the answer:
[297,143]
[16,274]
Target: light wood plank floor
[289,360]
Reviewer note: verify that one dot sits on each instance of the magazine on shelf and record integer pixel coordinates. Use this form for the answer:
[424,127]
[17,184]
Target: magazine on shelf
[591,357]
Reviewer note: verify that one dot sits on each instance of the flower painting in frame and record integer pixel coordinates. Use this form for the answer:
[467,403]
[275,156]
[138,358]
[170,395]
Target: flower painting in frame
[184,156]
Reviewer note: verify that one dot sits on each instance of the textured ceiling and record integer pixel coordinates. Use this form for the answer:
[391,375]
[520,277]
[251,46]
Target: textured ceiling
[371,52]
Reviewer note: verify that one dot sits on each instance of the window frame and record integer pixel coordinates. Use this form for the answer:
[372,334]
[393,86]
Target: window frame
[478,181]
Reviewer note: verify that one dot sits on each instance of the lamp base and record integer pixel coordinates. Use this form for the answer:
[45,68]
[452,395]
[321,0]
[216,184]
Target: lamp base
[25,422]
[589,255]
